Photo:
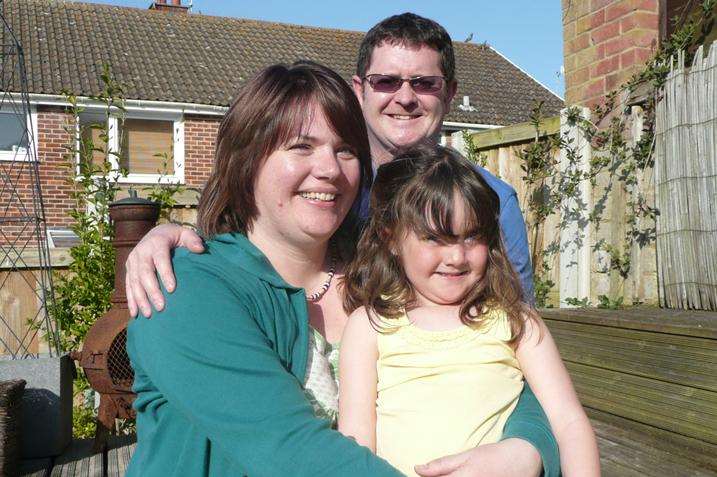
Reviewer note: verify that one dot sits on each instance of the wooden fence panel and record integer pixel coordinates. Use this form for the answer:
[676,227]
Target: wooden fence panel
[501,149]
[686,184]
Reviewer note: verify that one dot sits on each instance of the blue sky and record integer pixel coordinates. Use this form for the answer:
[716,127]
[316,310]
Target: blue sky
[527,32]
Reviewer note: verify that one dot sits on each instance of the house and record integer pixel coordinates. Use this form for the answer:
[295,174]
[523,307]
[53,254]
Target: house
[180,70]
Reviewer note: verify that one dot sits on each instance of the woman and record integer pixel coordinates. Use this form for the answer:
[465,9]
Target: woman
[219,373]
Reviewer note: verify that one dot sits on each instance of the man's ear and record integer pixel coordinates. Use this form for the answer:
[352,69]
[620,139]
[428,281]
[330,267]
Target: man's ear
[451,89]
[357,85]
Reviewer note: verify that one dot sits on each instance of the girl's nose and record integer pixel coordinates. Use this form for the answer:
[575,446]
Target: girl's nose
[456,254]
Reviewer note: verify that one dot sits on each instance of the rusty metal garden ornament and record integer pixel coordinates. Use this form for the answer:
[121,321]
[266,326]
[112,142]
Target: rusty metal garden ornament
[103,357]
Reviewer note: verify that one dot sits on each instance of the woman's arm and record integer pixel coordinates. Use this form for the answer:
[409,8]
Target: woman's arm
[212,361]
[544,370]
[357,391]
[529,424]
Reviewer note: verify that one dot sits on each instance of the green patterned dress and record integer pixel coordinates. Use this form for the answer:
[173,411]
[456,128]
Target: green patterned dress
[322,377]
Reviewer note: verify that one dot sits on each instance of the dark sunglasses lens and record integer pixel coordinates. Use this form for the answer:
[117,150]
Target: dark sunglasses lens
[384,83]
[427,84]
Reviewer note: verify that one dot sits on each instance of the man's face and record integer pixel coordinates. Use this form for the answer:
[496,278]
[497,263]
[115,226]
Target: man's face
[404,117]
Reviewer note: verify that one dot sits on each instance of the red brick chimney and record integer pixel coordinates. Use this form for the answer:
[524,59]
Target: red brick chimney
[174,6]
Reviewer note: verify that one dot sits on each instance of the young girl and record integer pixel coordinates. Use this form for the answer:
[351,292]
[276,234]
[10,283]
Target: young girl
[434,354]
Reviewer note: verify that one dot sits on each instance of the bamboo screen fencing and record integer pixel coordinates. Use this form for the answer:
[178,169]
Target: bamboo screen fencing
[686,184]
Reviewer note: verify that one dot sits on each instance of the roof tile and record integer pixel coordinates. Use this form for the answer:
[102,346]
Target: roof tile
[203,59]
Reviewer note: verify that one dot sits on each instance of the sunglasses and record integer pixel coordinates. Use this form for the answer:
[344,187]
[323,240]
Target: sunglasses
[391,83]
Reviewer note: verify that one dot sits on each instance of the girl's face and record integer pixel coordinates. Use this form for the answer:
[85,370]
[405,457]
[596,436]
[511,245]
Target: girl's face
[441,271]
[305,188]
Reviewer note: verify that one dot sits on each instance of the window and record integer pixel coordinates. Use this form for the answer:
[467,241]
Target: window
[147,145]
[15,135]
[91,130]
[152,146]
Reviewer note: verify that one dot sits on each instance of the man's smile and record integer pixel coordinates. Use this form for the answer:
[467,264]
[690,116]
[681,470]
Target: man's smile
[404,117]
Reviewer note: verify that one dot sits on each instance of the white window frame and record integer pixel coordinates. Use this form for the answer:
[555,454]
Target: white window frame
[134,178]
[30,155]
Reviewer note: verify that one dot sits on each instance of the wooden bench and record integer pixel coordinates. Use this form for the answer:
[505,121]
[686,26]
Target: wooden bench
[648,380]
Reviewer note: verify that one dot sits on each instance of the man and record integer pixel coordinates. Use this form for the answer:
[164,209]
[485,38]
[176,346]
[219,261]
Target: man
[405,81]
[408,46]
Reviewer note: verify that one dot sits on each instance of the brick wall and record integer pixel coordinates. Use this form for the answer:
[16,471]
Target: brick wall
[605,42]
[17,199]
[199,142]
[52,141]
[199,136]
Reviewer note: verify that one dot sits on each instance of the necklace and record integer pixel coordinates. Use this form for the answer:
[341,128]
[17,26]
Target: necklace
[316,296]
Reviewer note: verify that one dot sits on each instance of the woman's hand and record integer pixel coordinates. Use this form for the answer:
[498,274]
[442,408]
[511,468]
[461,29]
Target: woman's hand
[151,256]
[511,457]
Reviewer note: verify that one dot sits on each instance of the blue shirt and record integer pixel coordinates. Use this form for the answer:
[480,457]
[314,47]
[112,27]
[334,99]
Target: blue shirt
[512,227]
[513,230]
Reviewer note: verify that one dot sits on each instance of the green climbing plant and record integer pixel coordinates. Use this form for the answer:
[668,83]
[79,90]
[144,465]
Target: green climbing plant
[616,165]
[83,291]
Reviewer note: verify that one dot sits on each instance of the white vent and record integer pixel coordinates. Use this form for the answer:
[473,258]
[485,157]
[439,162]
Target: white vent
[466,105]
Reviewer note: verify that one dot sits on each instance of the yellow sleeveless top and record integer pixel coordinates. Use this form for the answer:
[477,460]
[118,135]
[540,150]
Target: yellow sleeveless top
[443,392]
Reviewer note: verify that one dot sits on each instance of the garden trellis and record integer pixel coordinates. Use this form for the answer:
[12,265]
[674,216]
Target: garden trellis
[26,290]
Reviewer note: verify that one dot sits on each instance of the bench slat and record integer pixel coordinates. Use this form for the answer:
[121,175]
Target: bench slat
[663,397]
[675,322]
[636,398]
[649,390]
[675,370]
[693,346]
[648,380]
[611,468]
[659,444]
[620,460]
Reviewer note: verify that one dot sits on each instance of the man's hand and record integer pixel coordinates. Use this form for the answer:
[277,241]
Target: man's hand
[152,254]
[511,457]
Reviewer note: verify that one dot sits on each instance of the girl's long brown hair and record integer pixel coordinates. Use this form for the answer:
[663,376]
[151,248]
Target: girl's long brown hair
[415,192]
[270,109]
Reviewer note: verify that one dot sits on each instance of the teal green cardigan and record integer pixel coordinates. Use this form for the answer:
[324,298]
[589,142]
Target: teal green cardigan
[219,373]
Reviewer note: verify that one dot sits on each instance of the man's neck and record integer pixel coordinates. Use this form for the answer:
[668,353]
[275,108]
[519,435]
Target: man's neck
[380,156]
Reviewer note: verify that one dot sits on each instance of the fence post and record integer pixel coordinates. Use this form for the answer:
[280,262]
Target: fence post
[575,239]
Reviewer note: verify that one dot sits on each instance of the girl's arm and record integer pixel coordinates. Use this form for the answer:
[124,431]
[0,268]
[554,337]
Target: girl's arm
[357,371]
[545,372]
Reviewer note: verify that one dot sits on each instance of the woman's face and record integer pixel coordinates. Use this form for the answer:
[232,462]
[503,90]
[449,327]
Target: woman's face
[305,188]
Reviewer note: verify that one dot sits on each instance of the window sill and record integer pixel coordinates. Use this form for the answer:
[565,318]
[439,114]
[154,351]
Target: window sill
[146,179]
[150,179]
[16,156]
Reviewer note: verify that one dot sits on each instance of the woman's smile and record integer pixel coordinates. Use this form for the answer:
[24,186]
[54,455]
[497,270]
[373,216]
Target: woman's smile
[305,188]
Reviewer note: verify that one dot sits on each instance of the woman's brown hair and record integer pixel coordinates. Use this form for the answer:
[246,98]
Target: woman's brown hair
[416,192]
[270,109]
